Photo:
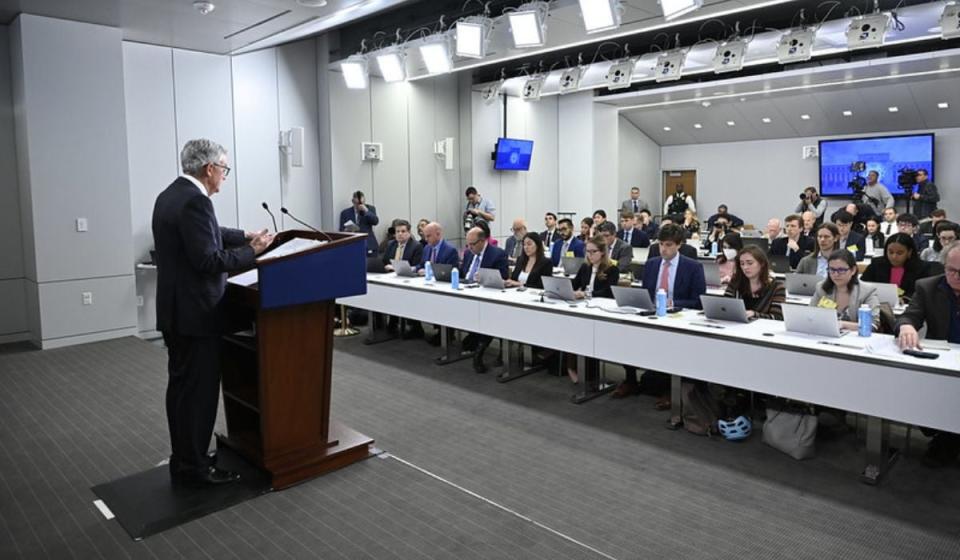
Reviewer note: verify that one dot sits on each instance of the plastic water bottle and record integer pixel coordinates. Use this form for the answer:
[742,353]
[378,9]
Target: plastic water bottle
[428,272]
[713,249]
[455,279]
[865,321]
[661,303]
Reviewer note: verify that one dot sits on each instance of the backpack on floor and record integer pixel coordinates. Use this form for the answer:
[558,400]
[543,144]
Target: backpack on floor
[700,408]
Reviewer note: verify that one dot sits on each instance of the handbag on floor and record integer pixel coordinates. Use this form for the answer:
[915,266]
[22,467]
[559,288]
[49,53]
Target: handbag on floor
[792,429]
[700,408]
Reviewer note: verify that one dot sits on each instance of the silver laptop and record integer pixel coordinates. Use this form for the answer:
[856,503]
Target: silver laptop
[887,293]
[811,320]
[631,300]
[490,278]
[571,265]
[711,273]
[402,268]
[558,288]
[802,284]
[724,309]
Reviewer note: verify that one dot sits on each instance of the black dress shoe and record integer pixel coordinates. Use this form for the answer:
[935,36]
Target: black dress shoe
[211,476]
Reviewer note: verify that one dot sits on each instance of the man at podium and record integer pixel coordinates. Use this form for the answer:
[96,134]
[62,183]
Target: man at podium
[194,255]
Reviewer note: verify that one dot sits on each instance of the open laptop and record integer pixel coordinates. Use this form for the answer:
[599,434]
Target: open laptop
[571,265]
[725,309]
[812,320]
[442,271]
[558,288]
[887,293]
[402,268]
[780,264]
[711,274]
[631,300]
[374,264]
[802,284]
[761,242]
[490,278]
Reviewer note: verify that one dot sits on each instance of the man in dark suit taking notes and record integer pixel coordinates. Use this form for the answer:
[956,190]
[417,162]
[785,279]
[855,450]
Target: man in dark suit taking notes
[194,255]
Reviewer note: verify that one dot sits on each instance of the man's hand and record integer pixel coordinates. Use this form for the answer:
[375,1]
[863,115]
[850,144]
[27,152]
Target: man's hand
[362,208]
[908,338]
[261,242]
[251,234]
[474,211]
[793,245]
[388,267]
[916,196]
[422,272]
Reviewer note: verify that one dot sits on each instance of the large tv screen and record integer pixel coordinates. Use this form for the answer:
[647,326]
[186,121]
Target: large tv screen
[513,154]
[887,155]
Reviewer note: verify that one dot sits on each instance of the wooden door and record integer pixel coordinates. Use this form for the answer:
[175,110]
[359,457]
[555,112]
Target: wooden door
[687,178]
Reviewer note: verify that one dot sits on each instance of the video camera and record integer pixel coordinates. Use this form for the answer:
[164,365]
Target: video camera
[907,178]
[857,182]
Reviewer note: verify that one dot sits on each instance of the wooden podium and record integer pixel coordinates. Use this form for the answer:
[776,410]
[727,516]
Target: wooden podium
[276,371]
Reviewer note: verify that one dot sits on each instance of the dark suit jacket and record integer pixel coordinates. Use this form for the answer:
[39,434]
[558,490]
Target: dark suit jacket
[511,244]
[857,239]
[929,197]
[601,287]
[688,285]
[879,271]
[446,254]
[365,222]
[535,280]
[412,252]
[638,238]
[734,220]
[779,247]
[194,255]
[686,250]
[930,305]
[576,246]
[493,257]
[543,237]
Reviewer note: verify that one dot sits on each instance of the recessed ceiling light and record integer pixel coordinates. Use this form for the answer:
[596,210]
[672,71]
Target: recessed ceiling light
[742,99]
[893,109]
[697,125]
[731,123]
[943,105]
[848,113]
[312,3]
[766,120]
[705,103]
[667,128]
[805,117]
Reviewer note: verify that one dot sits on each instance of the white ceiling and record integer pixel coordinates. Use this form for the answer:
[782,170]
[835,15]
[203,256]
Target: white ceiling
[175,23]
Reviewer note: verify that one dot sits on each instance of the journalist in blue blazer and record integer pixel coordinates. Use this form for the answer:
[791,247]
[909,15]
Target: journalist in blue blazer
[556,252]
[638,238]
[365,217]
[437,250]
[490,256]
[687,280]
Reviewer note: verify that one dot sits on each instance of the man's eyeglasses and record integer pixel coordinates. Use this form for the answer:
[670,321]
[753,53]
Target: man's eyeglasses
[226,170]
[952,271]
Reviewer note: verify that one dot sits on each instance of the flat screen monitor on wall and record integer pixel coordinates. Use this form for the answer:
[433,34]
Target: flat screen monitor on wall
[512,154]
[843,162]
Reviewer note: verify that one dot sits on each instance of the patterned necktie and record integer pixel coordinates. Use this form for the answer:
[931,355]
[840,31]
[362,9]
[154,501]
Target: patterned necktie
[433,253]
[665,277]
[398,256]
[474,266]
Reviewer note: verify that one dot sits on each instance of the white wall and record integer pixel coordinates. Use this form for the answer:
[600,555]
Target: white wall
[72,163]
[13,320]
[762,179]
[639,164]
[407,118]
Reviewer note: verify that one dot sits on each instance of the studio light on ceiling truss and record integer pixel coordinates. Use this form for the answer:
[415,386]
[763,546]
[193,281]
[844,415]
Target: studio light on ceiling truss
[672,9]
[473,36]
[867,31]
[392,64]
[729,56]
[531,88]
[950,21]
[796,45]
[435,51]
[354,70]
[600,15]
[669,66]
[528,24]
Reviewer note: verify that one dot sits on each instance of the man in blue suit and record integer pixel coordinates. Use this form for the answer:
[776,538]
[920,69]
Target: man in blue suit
[632,236]
[682,278]
[849,239]
[566,244]
[361,218]
[437,249]
[401,248]
[481,255]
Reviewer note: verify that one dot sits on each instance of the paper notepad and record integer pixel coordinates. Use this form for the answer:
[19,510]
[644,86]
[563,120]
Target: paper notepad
[245,279]
[291,247]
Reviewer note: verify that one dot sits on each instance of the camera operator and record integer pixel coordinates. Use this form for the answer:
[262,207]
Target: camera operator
[478,209]
[926,197]
[876,195]
[810,201]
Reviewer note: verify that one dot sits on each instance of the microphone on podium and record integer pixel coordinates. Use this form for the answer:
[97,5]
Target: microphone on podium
[272,217]
[301,222]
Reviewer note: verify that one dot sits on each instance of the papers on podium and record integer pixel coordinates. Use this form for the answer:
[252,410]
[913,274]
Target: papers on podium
[292,247]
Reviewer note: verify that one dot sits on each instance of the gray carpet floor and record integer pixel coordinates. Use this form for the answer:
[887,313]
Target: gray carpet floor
[472,469]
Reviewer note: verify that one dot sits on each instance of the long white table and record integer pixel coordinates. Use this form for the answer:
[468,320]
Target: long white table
[863,375]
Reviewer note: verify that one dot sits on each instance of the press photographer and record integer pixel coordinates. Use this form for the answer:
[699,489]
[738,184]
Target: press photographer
[810,201]
[478,209]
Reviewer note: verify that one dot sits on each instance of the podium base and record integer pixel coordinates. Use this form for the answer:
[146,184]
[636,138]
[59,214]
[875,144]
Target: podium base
[345,447]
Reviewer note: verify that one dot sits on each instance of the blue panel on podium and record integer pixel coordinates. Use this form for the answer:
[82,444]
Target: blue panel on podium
[336,271]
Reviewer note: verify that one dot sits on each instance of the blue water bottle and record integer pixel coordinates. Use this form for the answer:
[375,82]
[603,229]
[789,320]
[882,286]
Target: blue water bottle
[661,303]
[864,321]
[428,272]
[713,249]
[455,279]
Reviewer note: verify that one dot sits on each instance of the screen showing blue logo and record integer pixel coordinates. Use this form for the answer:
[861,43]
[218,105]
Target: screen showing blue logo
[513,154]
[843,162]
